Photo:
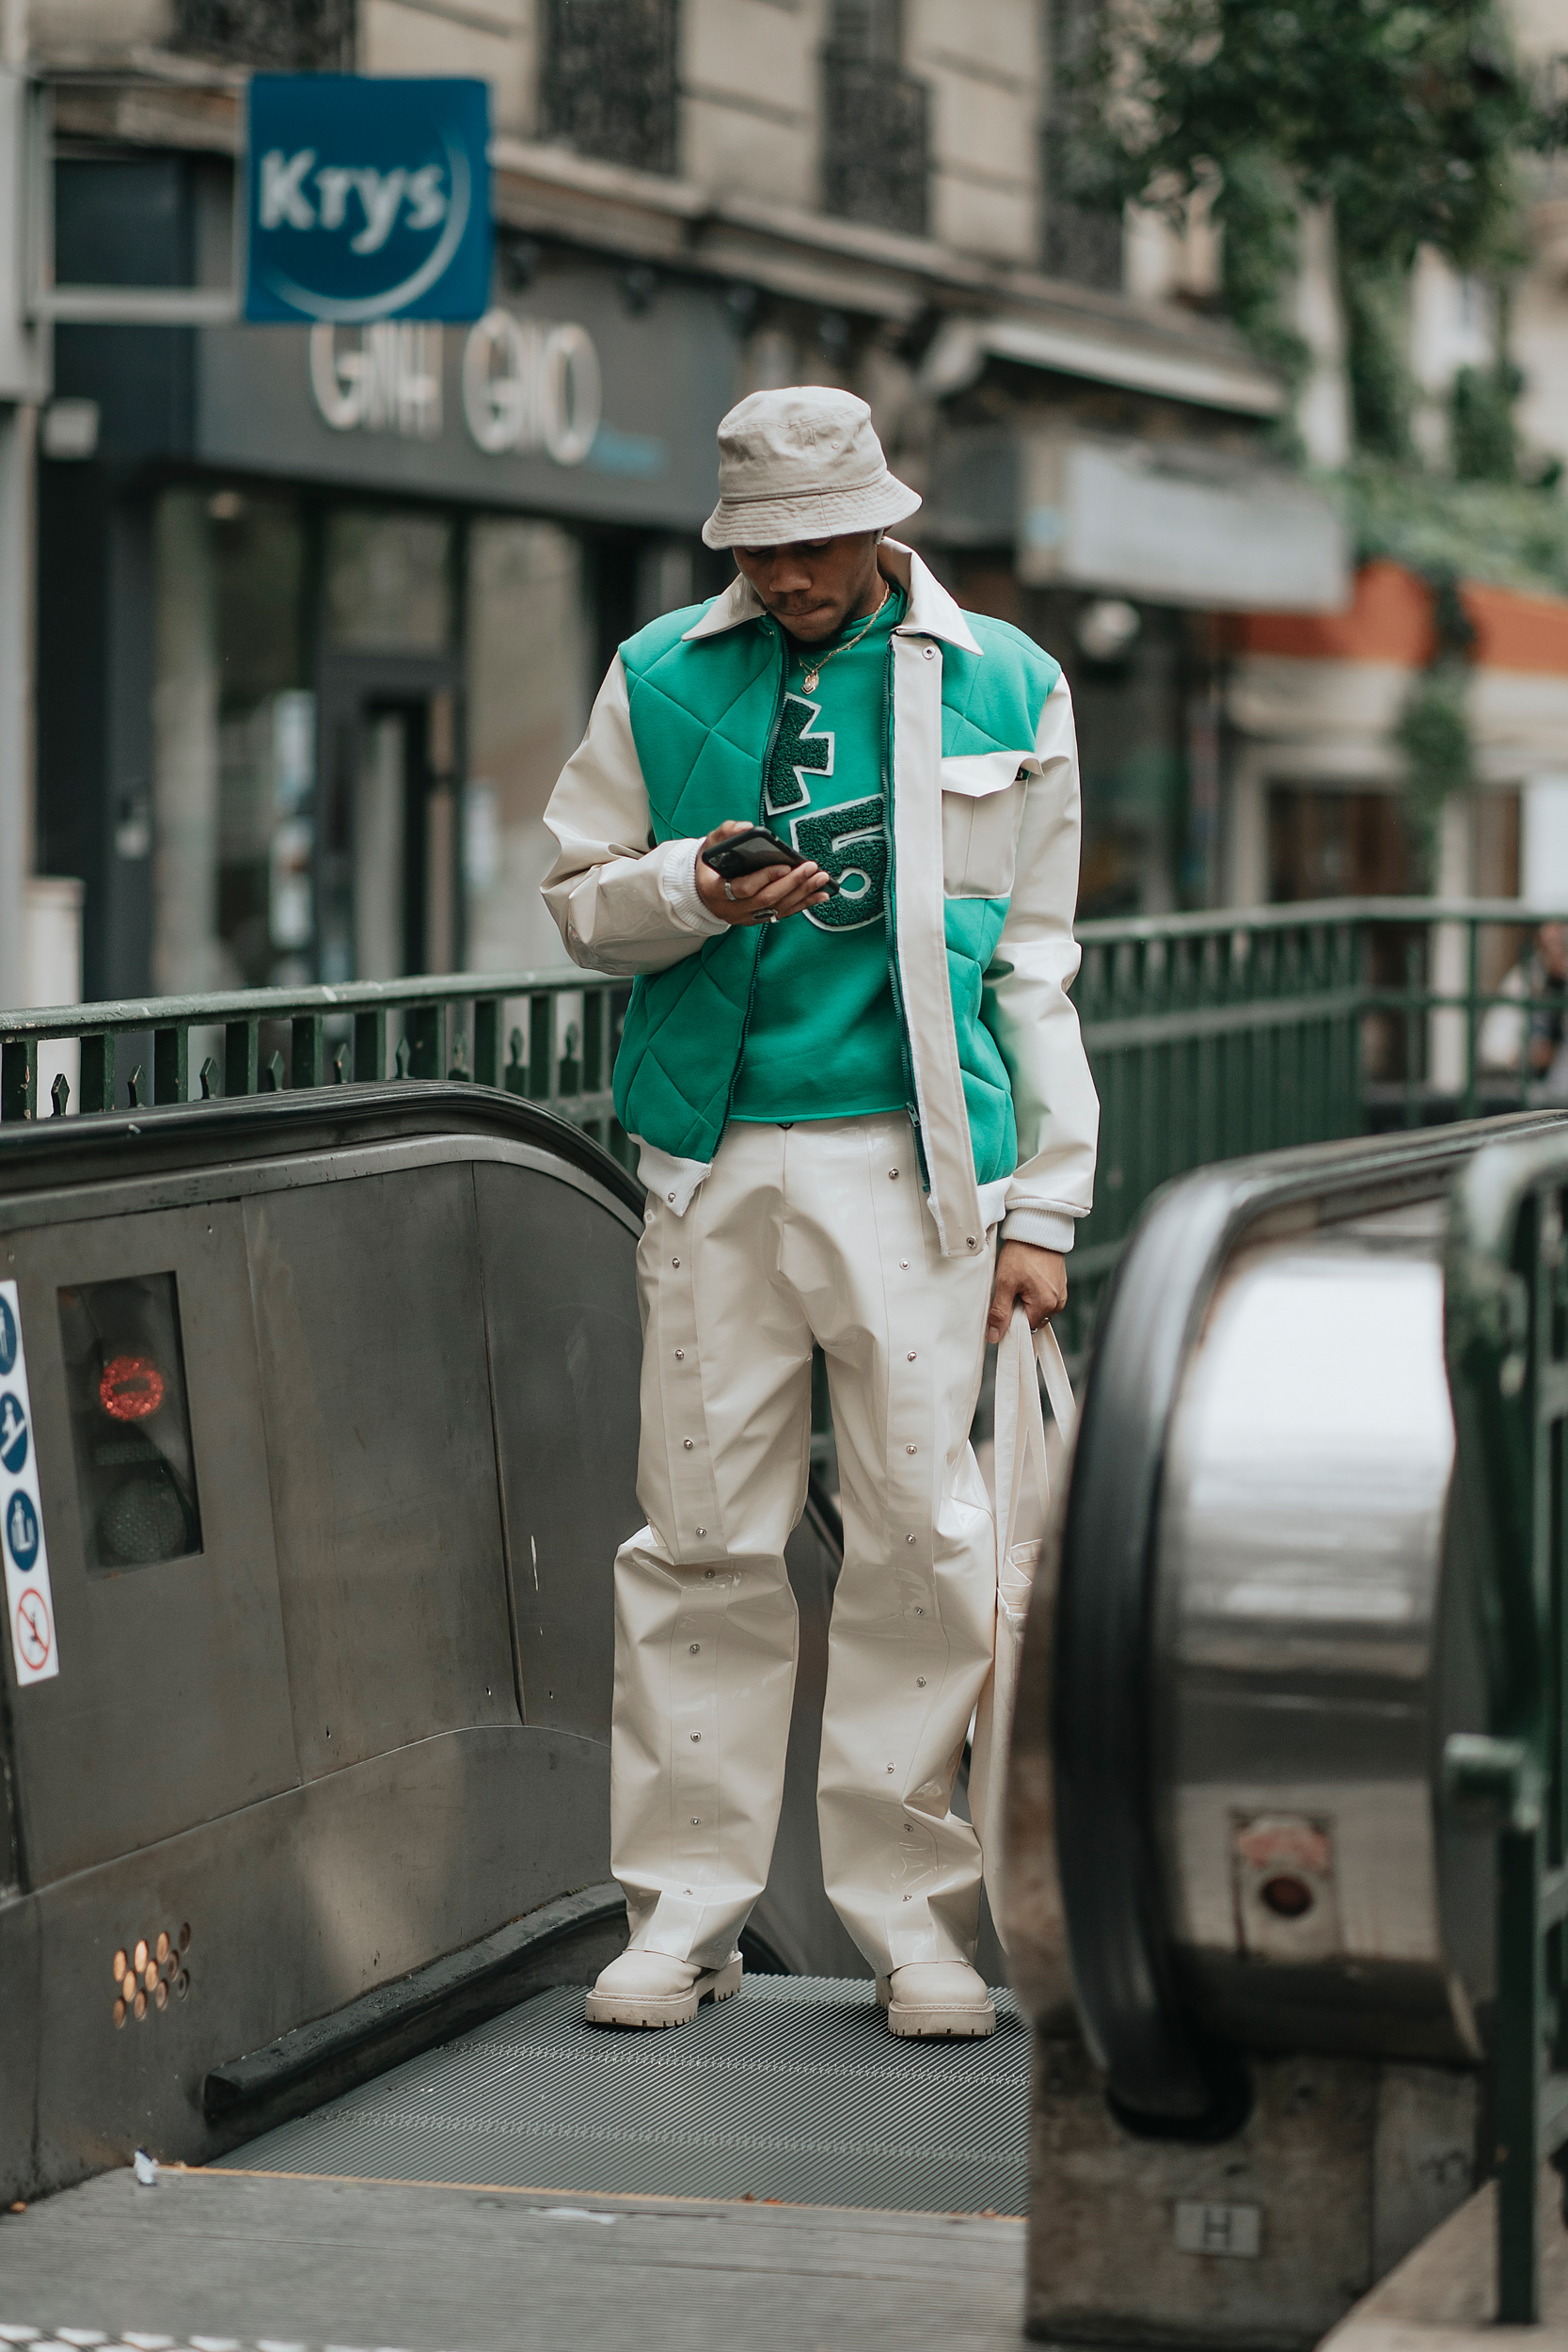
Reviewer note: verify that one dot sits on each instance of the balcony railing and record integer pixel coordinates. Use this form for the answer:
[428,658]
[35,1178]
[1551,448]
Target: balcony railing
[311,36]
[611,82]
[876,143]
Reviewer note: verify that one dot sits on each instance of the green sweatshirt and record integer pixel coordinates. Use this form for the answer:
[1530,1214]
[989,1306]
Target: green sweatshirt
[824,1040]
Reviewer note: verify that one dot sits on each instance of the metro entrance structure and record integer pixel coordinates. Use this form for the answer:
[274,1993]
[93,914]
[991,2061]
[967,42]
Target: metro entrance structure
[332,1403]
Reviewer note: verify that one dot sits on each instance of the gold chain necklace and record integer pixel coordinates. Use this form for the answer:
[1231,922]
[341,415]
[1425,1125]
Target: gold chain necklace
[810,676]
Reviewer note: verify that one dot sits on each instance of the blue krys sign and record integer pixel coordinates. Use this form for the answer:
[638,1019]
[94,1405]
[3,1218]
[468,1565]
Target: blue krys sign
[367,199]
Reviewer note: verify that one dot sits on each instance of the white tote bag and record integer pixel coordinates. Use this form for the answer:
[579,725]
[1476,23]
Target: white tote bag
[1022,1500]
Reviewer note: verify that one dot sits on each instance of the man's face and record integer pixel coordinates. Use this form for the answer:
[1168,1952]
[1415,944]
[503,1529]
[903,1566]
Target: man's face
[814,585]
[1552,939]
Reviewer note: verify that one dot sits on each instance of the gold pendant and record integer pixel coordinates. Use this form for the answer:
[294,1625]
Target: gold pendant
[809,681]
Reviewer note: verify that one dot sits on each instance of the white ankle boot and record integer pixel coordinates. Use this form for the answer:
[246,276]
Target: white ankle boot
[648,1989]
[936,1997]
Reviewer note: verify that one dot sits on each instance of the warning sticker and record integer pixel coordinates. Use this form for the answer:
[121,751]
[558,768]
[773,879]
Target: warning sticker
[29,1602]
[32,1628]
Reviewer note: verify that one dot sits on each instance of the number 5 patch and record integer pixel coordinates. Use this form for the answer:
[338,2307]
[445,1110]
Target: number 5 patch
[850,844]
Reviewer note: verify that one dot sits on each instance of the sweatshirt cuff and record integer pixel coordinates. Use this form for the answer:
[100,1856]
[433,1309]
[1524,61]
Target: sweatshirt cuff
[1042,1229]
[678,883]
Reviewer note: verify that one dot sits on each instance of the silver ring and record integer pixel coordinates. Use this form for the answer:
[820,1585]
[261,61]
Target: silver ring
[730,894]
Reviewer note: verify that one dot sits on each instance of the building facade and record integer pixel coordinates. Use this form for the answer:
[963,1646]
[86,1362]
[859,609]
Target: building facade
[319,613]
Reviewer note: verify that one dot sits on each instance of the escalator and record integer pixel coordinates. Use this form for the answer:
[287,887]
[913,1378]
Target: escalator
[304,1854]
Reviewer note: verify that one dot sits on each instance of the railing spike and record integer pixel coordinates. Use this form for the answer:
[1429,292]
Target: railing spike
[401,1058]
[59,1094]
[210,1075]
[272,1074]
[340,1065]
[133,1085]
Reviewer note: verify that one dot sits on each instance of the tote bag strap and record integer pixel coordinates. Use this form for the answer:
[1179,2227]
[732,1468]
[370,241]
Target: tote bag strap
[1022,1500]
[1022,1477]
[1058,1388]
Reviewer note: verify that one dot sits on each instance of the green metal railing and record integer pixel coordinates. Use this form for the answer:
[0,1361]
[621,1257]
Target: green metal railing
[1250,1030]
[1209,1036]
[1507,1313]
[548,1036]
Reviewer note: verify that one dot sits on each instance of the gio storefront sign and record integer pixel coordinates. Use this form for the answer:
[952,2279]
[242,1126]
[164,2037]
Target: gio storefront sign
[367,199]
[561,398]
[528,385]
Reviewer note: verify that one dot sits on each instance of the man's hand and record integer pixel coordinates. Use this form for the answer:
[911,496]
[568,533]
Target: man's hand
[779,890]
[1037,1278]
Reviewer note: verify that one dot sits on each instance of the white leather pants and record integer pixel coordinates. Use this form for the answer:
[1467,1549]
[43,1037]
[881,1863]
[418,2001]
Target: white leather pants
[815,1232]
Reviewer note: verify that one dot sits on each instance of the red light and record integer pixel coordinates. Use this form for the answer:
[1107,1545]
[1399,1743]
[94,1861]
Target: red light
[132,1387]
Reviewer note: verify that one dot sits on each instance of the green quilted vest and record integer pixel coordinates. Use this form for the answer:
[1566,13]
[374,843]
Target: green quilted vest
[702,716]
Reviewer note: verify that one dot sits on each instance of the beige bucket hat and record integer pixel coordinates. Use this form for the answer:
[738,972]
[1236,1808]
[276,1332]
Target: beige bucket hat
[801,463]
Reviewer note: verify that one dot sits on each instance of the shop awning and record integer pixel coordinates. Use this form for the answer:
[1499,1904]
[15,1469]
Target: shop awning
[1207,373]
[1169,522]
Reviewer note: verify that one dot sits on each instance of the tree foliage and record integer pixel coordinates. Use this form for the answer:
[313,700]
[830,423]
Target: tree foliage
[1408,118]
[1404,114]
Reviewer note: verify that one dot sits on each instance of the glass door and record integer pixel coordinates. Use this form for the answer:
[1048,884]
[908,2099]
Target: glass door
[388,883]
[386,872]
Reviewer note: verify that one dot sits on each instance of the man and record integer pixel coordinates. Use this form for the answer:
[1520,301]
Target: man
[839,1094]
[1524,1033]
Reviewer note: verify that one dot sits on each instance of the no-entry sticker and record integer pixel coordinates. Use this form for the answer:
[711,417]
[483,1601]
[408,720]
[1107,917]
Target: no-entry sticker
[29,1602]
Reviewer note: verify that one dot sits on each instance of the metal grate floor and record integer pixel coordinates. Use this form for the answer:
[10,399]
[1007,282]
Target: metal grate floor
[793,2089]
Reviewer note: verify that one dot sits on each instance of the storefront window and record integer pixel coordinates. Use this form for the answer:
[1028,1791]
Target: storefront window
[234,744]
[1131,711]
[388,581]
[529,652]
[1325,842]
[1133,684]
[267,874]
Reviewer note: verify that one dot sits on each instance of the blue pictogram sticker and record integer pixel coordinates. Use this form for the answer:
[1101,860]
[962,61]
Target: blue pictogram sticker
[7,1337]
[13,1433]
[22,1533]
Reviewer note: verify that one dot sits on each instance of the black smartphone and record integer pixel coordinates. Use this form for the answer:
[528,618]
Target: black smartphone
[751,852]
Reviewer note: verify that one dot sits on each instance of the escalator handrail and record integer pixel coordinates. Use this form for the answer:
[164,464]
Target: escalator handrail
[1160,2068]
[45,1155]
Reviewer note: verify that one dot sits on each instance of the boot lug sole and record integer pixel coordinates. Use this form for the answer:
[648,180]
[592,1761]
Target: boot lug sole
[913,2024]
[678,2009]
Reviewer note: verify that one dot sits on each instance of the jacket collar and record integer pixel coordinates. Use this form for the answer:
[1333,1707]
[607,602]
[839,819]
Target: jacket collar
[932,612]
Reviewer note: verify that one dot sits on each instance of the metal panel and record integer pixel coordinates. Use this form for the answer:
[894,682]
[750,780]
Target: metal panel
[172,1704]
[566,1355]
[295,1907]
[1298,1707]
[391,1566]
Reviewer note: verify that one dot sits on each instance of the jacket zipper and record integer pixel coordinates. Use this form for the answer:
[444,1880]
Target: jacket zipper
[890,917]
[761,928]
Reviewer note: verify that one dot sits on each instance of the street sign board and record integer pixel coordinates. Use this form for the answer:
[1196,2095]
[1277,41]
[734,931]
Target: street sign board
[367,199]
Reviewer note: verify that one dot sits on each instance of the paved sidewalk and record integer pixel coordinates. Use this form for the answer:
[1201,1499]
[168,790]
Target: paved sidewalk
[1443,2296]
[225,2262]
